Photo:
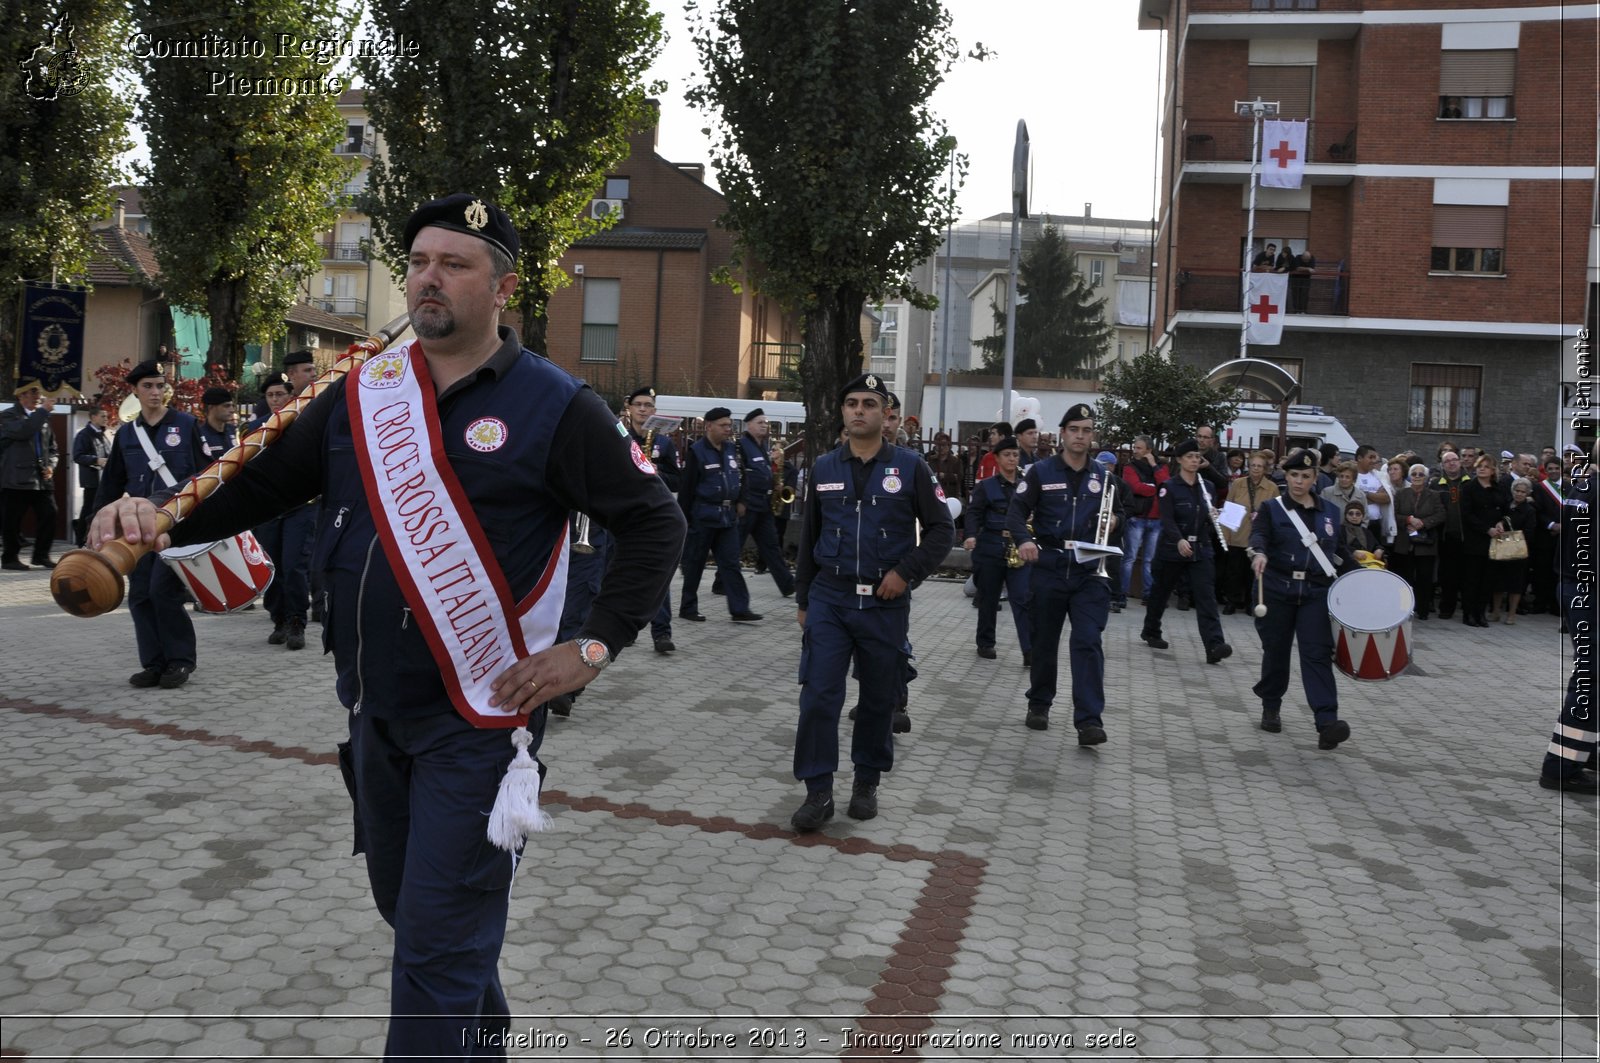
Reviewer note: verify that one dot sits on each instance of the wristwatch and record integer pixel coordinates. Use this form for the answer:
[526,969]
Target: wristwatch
[595,654]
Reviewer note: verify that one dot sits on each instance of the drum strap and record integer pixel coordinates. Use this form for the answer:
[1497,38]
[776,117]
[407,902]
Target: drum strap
[1307,539]
[158,464]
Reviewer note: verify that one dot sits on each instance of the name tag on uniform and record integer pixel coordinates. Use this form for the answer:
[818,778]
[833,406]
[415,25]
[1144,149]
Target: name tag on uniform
[1194,538]
[1300,575]
[830,487]
[718,465]
[1052,487]
[864,589]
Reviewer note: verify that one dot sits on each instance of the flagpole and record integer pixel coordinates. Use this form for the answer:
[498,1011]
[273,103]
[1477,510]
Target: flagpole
[1256,110]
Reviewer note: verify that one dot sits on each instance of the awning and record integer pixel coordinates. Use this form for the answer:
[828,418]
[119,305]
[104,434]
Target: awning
[1267,379]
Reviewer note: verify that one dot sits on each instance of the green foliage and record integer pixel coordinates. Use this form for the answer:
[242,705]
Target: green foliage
[834,166]
[241,181]
[1166,400]
[59,153]
[525,102]
[1062,329]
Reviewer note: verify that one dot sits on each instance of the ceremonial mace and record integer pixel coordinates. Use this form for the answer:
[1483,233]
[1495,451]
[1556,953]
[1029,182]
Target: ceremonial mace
[90,582]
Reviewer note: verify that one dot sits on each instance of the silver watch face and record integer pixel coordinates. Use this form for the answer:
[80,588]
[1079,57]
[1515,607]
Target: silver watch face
[594,653]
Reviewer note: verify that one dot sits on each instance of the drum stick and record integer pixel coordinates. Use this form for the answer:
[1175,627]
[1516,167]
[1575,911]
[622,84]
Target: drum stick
[90,582]
[1261,595]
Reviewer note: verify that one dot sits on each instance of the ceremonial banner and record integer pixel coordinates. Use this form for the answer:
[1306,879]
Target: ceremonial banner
[1283,154]
[52,338]
[1264,307]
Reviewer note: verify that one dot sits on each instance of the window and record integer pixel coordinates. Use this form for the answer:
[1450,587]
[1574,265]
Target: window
[1477,83]
[1097,273]
[1444,398]
[602,303]
[1468,239]
[1289,85]
[355,135]
[616,188]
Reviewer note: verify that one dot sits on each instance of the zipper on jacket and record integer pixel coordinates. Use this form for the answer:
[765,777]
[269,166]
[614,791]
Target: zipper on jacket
[859,603]
[361,594]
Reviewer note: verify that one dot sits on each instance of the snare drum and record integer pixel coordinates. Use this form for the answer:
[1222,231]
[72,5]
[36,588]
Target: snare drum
[1371,613]
[224,576]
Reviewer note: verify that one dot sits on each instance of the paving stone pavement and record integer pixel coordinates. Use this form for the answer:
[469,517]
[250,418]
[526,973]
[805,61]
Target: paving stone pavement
[176,877]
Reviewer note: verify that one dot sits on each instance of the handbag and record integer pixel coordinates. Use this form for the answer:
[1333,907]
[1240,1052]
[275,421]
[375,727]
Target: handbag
[1511,546]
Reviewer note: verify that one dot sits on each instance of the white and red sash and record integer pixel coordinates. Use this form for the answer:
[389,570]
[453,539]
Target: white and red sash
[438,551]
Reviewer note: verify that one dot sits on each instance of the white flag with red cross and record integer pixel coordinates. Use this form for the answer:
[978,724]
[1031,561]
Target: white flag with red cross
[1283,154]
[1264,307]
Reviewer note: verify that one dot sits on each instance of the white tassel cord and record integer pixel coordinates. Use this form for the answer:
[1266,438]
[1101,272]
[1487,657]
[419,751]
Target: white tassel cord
[516,808]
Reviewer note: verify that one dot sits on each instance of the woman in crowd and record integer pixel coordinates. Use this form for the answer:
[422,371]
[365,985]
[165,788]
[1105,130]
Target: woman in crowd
[1249,491]
[1343,490]
[1419,517]
[1356,540]
[1510,578]
[1397,483]
[1484,505]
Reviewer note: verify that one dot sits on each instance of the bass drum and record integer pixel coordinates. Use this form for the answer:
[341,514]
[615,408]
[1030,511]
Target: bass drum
[224,576]
[1371,613]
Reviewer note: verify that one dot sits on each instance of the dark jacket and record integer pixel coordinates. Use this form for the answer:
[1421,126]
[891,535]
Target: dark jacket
[1481,509]
[90,445]
[1427,507]
[27,448]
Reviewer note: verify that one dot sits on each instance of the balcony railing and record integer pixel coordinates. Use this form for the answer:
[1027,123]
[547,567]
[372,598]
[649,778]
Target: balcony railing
[1324,292]
[771,361]
[1229,140]
[342,307]
[367,148]
[339,252]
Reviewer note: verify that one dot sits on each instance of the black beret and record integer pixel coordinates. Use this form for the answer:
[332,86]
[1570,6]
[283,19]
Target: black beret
[651,392]
[1188,446]
[1080,412]
[300,357]
[143,371]
[1299,458]
[717,413]
[753,414]
[1008,443]
[216,397]
[866,382]
[1027,424]
[891,401]
[468,214]
[275,380]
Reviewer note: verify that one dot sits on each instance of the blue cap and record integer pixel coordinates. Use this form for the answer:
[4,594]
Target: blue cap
[1105,457]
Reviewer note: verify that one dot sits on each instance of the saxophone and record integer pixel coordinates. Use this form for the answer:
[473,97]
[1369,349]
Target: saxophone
[1013,558]
[782,493]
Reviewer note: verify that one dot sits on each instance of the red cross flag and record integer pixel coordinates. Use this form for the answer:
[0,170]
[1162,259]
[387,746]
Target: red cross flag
[1264,307]
[1283,154]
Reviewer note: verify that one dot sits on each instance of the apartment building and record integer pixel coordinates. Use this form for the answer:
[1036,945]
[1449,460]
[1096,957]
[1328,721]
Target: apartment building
[1448,200]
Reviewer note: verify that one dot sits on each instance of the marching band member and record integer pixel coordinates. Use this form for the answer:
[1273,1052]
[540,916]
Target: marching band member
[216,428]
[150,457]
[858,557]
[755,499]
[1187,554]
[708,492]
[447,467]
[663,454]
[1294,550]
[287,539]
[1062,496]
[991,547]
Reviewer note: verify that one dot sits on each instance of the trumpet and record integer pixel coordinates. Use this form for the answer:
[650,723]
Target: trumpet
[1102,521]
[580,536]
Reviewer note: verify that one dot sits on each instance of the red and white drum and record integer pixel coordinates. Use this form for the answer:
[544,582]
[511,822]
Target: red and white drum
[224,576]
[1371,613]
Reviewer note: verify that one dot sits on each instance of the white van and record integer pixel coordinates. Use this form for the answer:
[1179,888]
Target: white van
[1309,426]
[786,419]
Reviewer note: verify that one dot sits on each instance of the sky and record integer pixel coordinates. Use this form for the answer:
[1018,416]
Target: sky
[1078,72]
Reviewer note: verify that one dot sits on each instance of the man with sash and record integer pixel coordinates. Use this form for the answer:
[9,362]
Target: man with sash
[447,467]
[708,491]
[1549,498]
[663,454]
[151,457]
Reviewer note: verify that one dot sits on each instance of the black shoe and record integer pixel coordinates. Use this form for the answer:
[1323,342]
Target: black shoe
[665,646]
[1446,614]
[746,617]
[46,563]
[1218,653]
[560,705]
[863,801]
[1027,659]
[696,617]
[816,811]
[986,652]
[175,676]
[1422,616]
[280,635]
[1580,783]
[1271,721]
[1092,735]
[297,635]
[149,677]
[1229,609]
[1330,736]
[789,593]
[1185,605]
[14,566]
[716,587]
[901,725]
[1038,720]
[1156,642]
[1116,607]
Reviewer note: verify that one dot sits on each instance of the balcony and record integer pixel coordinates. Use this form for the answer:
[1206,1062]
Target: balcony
[337,252]
[365,148]
[1229,140]
[777,364]
[1325,292]
[342,307]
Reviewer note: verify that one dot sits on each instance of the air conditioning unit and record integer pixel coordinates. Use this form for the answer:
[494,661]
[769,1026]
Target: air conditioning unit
[606,208]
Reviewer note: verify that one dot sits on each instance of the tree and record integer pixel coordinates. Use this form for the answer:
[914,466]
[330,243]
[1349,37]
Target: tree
[62,125]
[831,161]
[1163,399]
[1061,327]
[242,175]
[526,102]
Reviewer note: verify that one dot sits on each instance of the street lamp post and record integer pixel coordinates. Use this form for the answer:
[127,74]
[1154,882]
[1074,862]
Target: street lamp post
[1255,110]
[1019,210]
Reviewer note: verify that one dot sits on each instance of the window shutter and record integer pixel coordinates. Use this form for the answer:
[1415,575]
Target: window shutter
[1281,225]
[1490,72]
[1463,226]
[1435,375]
[1289,85]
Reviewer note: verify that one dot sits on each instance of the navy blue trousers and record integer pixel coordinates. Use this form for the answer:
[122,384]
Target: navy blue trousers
[1572,742]
[1199,577]
[287,540]
[161,625]
[990,573]
[757,523]
[1059,594]
[724,546]
[424,789]
[1304,621]
[876,638]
